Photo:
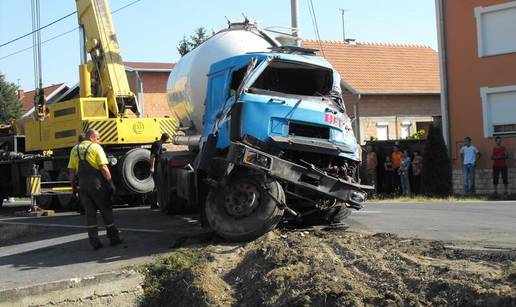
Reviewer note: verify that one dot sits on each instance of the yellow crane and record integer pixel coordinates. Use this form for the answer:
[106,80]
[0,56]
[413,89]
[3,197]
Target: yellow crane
[105,101]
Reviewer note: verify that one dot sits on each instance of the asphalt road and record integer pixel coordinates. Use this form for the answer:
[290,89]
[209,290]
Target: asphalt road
[488,224]
[57,247]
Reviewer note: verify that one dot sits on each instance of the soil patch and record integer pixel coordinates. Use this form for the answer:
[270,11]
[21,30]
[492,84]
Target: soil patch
[332,268]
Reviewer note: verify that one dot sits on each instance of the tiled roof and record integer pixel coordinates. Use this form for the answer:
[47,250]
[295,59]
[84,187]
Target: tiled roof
[147,66]
[28,97]
[383,68]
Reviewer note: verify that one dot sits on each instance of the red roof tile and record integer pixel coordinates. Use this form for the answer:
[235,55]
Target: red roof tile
[140,66]
[383,68]
[28,97]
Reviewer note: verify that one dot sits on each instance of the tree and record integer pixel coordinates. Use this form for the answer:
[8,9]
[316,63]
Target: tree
[436,176]
[198,38]
[10,107]
[183,47]
[187,45]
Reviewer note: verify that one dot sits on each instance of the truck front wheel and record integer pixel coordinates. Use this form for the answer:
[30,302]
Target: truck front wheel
[246,208]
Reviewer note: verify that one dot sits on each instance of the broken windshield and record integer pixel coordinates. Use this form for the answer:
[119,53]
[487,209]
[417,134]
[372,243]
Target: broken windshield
[295,79]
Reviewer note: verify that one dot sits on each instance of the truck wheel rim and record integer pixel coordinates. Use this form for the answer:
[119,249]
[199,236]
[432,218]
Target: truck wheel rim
[242,200]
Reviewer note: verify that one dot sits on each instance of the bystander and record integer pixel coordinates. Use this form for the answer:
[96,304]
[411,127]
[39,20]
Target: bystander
[403,171]
[499,157]
[470,156]
[396,163]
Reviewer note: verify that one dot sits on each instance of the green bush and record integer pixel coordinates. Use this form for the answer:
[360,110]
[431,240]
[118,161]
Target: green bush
[418,135]
[436,176]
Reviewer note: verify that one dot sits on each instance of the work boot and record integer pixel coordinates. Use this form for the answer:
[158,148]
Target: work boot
[93,236]
[114,235]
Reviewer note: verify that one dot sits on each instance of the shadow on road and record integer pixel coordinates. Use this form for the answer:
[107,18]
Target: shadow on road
[61,241]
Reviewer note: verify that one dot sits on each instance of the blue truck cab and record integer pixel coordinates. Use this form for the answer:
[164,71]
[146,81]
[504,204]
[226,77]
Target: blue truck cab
[276,142]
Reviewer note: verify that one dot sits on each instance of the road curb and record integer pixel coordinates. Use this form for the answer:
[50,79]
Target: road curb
[75,291]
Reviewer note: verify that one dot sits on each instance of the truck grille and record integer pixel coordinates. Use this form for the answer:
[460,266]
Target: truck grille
[310,131]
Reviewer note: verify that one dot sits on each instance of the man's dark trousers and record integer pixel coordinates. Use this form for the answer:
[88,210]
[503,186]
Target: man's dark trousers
[95,194]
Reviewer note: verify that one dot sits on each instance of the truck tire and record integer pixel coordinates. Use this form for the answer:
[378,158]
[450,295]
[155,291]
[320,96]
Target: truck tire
[135,171]
[334,215]
[246,208]
[66,201]
[45,201]
[168,200]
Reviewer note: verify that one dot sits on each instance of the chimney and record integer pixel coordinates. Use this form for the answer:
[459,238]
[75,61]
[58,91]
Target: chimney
[351,41]
[21,94]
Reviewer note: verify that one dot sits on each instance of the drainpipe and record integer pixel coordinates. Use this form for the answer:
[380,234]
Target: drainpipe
[441,39]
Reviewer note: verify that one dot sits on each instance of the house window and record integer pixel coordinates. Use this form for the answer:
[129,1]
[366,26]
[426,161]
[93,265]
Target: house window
[405,129]
[495,29]
[499,107]
[382,131]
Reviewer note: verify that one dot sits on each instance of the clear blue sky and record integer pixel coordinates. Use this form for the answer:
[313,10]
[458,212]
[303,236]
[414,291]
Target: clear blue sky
[150,29]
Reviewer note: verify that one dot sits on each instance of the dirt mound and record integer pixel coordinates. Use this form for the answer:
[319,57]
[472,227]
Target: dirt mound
[335,268]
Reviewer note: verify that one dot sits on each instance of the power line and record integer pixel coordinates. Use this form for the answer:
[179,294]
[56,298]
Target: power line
[64,33]
[127,5]
[314,23]
[43,27]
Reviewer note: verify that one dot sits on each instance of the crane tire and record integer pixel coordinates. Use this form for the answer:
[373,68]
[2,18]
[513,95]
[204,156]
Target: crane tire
[135,171]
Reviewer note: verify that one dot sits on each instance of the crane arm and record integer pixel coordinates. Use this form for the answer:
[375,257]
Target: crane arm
[106,68]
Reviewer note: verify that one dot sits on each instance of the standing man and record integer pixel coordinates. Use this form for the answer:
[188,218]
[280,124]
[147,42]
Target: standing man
[156,151]
[499,158]
[396,163]
[89,162]
[470,156]
[404,173]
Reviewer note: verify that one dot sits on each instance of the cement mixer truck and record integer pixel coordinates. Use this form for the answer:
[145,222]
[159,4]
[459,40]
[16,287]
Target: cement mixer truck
[267,133]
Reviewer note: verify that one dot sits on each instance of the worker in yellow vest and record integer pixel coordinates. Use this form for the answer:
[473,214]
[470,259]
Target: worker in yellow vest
[89,162]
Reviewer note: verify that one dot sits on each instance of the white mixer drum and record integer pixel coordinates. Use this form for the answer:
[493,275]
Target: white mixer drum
[187,83]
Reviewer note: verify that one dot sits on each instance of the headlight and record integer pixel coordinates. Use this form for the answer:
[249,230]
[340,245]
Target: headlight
[257,159]
[112,160]
[358,197]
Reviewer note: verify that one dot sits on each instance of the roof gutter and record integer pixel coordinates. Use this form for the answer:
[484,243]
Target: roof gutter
[441,39]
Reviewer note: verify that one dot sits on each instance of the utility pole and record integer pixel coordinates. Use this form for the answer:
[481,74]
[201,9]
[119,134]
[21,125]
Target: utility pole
[342,11]
[294,12]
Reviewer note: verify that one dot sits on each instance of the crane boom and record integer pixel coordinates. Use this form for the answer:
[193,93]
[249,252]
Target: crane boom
[106,68]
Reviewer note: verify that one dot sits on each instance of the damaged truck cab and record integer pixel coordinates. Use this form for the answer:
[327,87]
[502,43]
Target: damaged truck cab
[275,143]
[284,124]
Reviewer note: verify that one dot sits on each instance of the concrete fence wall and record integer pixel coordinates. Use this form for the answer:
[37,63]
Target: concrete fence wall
[484,181]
